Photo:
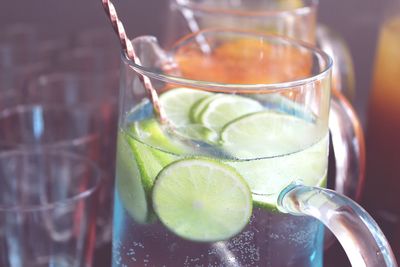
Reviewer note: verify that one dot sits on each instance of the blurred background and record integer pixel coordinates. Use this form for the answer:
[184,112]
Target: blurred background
[357,21]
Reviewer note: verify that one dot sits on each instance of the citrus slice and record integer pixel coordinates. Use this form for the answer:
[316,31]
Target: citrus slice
[202,200]
[269,176]
[266,134]
[138,165]
[199,107]
[282,149]
[221,110]
[150,132]
[129,182]
[177,103]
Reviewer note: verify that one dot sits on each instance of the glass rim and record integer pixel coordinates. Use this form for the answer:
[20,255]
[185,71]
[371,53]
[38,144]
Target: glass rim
[203,8]
[245,88]
[72,142]
[59,203]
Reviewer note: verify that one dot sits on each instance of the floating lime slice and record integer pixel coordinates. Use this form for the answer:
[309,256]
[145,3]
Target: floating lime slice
[221,110]
[202,200]
[138,164]
[150,132]
[129,182]
[199,107]
[281,149]
[266,134]
[178,102]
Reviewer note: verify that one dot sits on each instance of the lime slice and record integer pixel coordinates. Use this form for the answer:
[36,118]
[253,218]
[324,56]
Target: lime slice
[269,176]
[281,149]
[150,132]
[178,102]
[129,182]
[202,200]
[137,167]
[221,110]
[199,107]
[266,134]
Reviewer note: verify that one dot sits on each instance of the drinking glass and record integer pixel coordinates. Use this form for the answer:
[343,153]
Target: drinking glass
[98,94]
[383,130]
[225,164]
[49,127]
[48,203]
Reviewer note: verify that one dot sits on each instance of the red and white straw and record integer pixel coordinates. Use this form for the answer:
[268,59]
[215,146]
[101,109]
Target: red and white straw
[128,48]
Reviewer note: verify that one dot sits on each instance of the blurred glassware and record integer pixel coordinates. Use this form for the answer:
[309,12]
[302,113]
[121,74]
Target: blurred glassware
[383,131]
[9,98]
[48,203]
[97,93]
[16,77]
[295,19]
[32,43]
[45,127]
[23,38]
[343,69]
[292,18]
[97,37]
[93,60]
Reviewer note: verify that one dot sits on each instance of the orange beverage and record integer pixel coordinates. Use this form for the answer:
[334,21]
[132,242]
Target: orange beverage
[383,135]
[229,63]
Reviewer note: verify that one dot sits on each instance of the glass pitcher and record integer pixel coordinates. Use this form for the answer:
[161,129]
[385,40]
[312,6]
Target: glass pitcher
[235,174]
[296,19]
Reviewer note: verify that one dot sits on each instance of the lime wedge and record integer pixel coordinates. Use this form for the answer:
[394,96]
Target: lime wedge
[177,103]
[202,200]
[221,110]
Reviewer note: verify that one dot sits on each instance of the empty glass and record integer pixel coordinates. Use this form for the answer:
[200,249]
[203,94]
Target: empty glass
[48,203]
[98,94]
[56,127]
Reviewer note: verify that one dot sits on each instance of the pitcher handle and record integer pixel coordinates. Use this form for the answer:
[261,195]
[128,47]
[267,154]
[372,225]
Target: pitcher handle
[348,145]
[357,232]
[344,124]
[343,78]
